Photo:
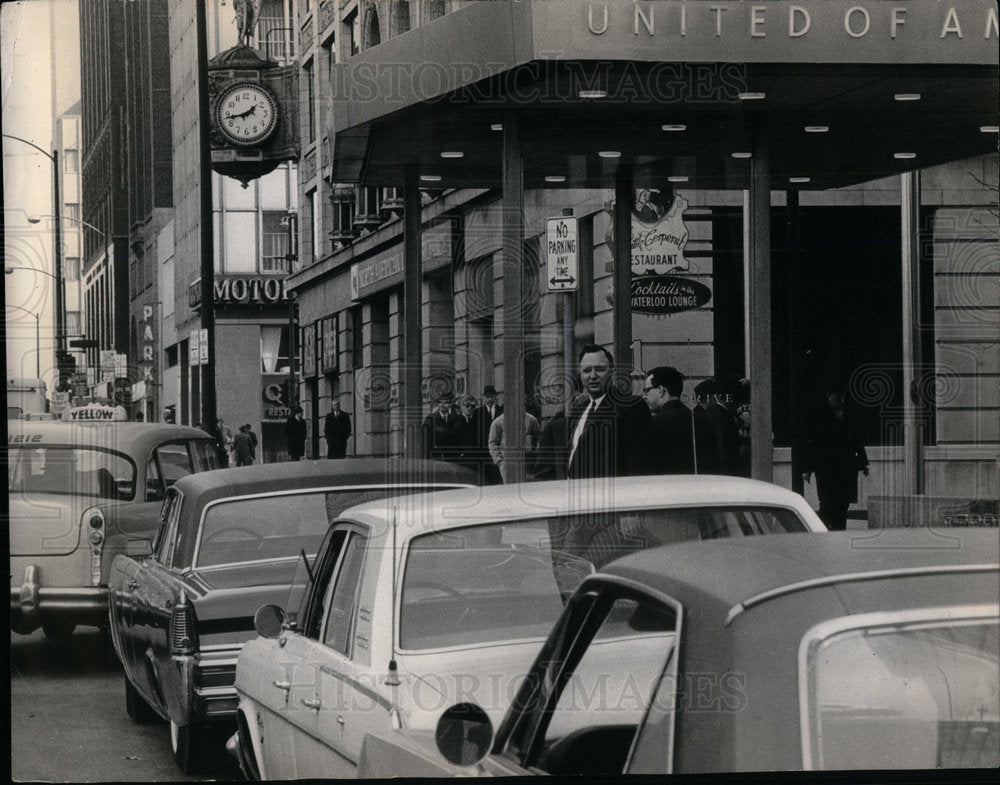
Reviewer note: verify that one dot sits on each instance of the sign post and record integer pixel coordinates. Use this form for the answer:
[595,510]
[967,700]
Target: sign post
[562,274]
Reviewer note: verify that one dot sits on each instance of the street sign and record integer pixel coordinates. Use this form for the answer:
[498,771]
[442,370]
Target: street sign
[84,343]
[562,254]
[108,360]
[203,346]
[121,365]
[60,401]
[194,356]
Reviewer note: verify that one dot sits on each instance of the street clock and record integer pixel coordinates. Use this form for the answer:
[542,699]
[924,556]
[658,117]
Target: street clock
[246,114]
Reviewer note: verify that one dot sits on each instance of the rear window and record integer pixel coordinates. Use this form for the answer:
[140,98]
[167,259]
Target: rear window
[907,694]
[70,471]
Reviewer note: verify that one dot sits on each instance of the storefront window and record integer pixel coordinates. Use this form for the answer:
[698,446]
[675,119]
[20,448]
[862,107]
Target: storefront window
[274,353]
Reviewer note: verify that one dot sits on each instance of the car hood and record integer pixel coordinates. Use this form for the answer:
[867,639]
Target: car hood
[43,525]
[488,676]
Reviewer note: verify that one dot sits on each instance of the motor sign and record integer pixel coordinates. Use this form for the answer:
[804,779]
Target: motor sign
[562,254]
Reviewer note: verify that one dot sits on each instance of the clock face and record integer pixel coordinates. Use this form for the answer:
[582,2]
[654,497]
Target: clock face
[246,114]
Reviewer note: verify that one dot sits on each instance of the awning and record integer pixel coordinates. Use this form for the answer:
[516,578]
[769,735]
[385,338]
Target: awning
[838,91]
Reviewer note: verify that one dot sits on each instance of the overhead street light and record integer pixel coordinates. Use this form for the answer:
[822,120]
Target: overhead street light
[60,294]
[38,346]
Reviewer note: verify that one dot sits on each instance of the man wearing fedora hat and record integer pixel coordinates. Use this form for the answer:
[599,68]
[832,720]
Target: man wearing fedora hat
[482,420]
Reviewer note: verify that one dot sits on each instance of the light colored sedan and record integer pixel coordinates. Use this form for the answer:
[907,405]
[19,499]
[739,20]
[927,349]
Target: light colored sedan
[432,600]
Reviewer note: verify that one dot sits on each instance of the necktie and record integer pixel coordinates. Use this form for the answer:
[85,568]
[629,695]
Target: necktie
[579,431]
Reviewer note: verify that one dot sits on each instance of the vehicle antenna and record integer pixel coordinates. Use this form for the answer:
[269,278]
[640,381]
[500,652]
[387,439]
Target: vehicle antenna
[393,678]
[309,571]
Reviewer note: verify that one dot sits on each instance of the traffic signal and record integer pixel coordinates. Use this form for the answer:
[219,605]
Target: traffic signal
[66,367]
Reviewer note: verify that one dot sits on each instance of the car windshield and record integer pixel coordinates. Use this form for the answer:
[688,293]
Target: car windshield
[494,582]
[70,471]
[919,695]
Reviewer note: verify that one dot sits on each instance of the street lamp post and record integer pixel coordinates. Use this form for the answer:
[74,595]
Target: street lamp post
[38,346]
[56,251]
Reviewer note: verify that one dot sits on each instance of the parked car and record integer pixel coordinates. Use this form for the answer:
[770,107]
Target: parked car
[835,651]
[450,595]
[229,541]
[78,494]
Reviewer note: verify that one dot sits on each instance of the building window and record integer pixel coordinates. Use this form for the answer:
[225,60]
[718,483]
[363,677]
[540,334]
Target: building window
[275,35]
[400,16]
[274,354]
[71,161]
[371,35]
[274,242]
[172,356]
[71,268]
[307,74]
[72,211]
[352,29]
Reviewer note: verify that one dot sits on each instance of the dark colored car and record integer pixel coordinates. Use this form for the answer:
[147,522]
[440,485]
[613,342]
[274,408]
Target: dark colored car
[230,541]
[806,651]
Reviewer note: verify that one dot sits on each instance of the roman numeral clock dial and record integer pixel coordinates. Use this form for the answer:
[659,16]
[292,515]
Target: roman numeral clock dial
[246,114]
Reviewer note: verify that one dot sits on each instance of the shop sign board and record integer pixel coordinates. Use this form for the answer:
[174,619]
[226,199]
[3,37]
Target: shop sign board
[95,413]
[665,294]
[108,360]
[253,290]
[273,404]
[121,366]
[373,275]
[309,350]
[328,360]
[148,365]
[562,254]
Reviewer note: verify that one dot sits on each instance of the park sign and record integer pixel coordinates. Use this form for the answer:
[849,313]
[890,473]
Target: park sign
[562,254]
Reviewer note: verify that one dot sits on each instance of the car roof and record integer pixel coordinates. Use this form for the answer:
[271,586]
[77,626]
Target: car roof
[295,475]
[526,500]
[111,435]
[742,572]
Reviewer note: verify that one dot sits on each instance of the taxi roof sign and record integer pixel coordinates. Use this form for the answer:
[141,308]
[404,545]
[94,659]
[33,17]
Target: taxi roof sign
[96,413]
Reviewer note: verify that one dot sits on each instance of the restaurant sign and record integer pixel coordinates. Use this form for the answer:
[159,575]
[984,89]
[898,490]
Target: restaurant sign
[665,294]
[375,274]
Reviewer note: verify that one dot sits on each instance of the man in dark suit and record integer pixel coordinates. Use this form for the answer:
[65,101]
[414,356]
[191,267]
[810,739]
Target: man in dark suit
[835,452]
[722,427]
[482,420]
[685,442]
[609,434]
[337,430]
[295,434]
[439,430]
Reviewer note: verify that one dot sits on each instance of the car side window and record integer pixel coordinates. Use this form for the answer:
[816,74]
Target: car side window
[344,596]
[154,482]
[594,691]
[314,611]
[174,461]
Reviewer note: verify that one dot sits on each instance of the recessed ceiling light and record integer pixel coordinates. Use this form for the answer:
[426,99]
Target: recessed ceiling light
[817,129]
[453,154]
[677,178]
[751,96]
[907,96]
[610,154]
[555,178]
[430,178]
[990,129]
[673,127]
[496,127]
[593,94]
[798,179]
[742,155]
[904,155]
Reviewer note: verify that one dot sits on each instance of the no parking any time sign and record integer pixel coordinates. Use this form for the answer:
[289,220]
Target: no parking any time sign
[562,254]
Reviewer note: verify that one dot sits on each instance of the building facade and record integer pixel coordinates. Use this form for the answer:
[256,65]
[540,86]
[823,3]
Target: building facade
[908,317]
[251,251]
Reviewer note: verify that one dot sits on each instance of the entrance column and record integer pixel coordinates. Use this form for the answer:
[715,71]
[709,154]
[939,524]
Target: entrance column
[513,299]
[622,307]
[759,310]
[913,470]
[412,357]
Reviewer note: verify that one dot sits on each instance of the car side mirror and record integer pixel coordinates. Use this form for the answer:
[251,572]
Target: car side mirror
[464,734]
[138,549]
[268,620]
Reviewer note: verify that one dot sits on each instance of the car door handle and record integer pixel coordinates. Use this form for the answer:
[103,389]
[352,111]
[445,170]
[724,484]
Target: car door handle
[312,703]
[282,685]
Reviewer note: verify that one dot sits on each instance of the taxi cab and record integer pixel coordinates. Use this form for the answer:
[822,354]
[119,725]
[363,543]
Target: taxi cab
[80,492]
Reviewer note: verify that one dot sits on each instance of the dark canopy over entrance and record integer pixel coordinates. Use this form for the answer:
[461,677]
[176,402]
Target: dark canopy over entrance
[729,95]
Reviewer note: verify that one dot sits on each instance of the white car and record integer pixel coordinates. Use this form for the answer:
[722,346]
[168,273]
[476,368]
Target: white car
[427,601]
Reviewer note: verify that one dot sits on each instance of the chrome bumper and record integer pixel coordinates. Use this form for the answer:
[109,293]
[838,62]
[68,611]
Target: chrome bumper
[32,602]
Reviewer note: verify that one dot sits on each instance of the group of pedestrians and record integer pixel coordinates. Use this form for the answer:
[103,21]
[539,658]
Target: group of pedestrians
[239,449]
[470,436]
